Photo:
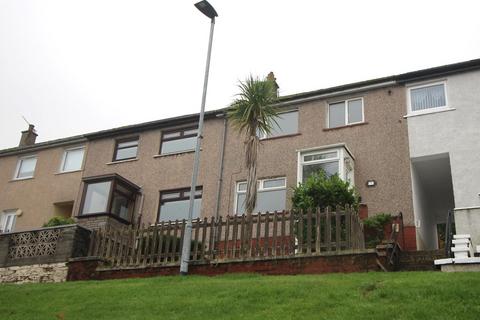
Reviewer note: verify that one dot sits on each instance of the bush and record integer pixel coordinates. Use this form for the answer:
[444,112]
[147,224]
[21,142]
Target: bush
[320,191]
[374,229]
[58,221]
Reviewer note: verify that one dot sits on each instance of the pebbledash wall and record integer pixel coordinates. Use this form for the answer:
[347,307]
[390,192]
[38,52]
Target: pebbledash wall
[454,133]
[383,158]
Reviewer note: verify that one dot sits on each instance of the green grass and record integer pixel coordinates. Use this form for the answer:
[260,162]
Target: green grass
[403,295]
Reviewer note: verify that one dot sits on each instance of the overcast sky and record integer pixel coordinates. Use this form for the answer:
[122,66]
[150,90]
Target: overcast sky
[72,67]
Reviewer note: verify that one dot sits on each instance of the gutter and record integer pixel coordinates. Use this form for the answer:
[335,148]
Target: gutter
[336,93]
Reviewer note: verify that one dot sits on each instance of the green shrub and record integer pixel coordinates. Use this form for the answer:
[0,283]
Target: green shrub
[374,229]
[58,221]
[320,191]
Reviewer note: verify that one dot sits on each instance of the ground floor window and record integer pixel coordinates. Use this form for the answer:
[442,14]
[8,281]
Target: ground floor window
[109,195]
[271,195]
[331,160]
[7,221]
[174,204]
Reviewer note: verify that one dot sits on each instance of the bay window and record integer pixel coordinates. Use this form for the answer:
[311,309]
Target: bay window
[332,161]
[109,195]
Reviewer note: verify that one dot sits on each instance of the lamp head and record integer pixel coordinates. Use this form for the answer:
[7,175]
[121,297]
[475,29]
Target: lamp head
[206,8]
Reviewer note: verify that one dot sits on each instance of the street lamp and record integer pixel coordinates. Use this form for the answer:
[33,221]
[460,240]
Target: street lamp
[207,9]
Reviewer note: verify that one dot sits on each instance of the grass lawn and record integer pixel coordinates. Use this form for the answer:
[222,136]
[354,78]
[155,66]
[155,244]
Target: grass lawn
[402,295]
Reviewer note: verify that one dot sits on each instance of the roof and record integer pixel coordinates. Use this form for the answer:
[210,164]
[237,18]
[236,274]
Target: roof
[399,79]
[403,78]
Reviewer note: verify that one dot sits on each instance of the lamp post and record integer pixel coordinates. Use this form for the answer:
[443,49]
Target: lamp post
[207,9]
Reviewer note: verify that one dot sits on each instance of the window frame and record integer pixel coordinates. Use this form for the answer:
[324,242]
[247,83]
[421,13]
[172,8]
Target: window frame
[342,154]
[264,136]
[114,180]
[65,152]
[122,140]
[345,102]
[19,165]
[3,219]
[182,197]
[180,137]
[426,85]
[260,188]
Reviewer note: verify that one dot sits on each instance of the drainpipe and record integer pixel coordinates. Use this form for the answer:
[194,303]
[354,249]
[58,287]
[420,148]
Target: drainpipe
[140,208]
[220,175]
[220,169]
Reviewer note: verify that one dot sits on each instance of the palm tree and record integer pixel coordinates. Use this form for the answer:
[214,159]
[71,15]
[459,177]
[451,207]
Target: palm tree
[251,113]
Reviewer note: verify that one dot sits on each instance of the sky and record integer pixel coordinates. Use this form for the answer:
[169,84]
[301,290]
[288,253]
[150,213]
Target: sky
[72,67]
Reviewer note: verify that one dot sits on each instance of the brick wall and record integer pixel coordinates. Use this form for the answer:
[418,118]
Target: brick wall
[92,269]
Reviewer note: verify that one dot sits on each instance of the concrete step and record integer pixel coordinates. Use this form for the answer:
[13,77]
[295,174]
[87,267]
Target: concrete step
[461,236]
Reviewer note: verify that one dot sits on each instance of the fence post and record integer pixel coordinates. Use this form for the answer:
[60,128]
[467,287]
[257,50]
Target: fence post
[317,231]
[309,231]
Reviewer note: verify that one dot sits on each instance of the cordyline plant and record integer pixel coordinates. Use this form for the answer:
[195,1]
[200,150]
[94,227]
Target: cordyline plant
[251,113]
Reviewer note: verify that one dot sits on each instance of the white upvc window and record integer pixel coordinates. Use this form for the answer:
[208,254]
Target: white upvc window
[271,195]
[427,98]
[7,221]
[286,124]
[25,167]
[331,160]
[72,159]
[345,112]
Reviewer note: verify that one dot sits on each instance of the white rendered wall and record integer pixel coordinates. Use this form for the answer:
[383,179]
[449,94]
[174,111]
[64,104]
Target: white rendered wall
[456,132]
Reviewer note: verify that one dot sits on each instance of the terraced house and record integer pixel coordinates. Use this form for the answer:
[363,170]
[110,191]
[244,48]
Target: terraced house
[391,137]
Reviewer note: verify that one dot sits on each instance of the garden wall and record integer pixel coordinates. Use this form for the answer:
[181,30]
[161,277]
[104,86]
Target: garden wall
[95,269]
[53,272]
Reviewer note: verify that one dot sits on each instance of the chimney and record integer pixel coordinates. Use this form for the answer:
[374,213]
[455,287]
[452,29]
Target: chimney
[28,136]
[271,77]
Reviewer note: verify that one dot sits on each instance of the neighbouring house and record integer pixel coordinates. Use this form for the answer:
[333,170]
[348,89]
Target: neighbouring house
[443,115]
[141,173]
[39,180]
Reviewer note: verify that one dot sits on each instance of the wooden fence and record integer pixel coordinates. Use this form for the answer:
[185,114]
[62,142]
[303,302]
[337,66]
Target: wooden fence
[259,236]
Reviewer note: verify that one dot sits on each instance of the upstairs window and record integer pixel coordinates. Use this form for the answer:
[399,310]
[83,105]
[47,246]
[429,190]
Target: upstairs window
[180,140]
[26,167]
[7,221]
[72,159]
[271,195]
[174,204]
[287,123]
[346,112]
[427,97]
[126,149]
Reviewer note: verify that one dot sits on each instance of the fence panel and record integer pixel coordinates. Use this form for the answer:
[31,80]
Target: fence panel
[239,237]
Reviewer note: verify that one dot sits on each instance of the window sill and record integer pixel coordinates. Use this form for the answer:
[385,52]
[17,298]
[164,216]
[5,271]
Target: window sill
[103,214]
[174,153]
[429,111]
[65,172]
[282,136]
[347,126]
[21,179]
[121,161]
